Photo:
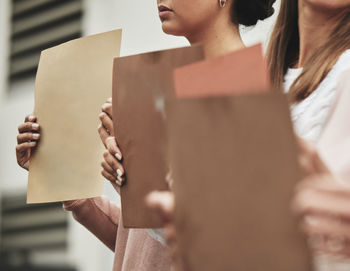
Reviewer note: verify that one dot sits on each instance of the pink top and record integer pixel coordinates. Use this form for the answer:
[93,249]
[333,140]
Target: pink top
[134,249]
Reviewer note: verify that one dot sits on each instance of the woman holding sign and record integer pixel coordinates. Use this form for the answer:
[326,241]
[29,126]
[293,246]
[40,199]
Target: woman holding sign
[214,23]
[308,55]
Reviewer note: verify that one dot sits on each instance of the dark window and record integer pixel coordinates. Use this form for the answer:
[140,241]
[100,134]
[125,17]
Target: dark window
[29,233]
[37,25]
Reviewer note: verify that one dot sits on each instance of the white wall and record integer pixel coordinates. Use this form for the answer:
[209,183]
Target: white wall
[140,23]
[141,33]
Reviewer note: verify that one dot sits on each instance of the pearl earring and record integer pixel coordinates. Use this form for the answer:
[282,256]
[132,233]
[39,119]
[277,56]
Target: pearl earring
[222,3]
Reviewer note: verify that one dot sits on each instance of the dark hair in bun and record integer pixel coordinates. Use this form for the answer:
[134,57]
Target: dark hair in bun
[248,12]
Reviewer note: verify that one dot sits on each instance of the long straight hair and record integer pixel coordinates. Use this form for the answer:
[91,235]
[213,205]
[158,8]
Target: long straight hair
[283,52]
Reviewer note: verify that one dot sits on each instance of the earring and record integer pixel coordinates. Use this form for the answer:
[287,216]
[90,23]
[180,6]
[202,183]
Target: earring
[222,3]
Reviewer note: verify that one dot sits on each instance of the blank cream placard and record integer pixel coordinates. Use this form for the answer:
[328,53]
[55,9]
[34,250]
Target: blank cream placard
[73,81]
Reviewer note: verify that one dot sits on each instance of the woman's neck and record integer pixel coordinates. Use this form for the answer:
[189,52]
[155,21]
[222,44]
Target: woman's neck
[218,39]
[315,27]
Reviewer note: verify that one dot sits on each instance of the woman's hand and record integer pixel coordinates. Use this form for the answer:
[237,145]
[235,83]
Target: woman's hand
[163,203]
[112,162]
[27,140]
[323,204]
[309,159]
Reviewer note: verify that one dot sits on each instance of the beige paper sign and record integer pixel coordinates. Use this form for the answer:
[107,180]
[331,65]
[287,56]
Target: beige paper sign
[73,81]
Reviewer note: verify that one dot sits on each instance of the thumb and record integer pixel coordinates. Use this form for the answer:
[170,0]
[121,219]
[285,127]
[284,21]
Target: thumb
[163,203]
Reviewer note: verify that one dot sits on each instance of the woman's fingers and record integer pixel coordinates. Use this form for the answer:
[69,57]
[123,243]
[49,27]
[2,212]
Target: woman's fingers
[28,127]
[322,194]
[112,168]
[103,134]
[108,176]
[107,108]
[170,234]
[29,134]
[107,123]
[29,130]
[323,203]
[115,166]
[109,169]
[113,162]
[327,234]
[164,204]
[25,146]
[171,241]
[326,184]
[314,202]
[30,118]
[25,137]
[112,147]
[306,151]
[306,165]
[326,225]
[109,142]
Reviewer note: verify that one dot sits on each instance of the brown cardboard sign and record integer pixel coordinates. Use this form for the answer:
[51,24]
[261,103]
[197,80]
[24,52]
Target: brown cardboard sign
[73,80]
[142,85]
[238,72]
[234,165]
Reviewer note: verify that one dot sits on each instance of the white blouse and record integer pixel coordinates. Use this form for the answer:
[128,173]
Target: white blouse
[310,115]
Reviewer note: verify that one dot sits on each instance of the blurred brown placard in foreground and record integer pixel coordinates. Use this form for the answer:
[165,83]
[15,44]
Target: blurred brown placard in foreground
[234,164]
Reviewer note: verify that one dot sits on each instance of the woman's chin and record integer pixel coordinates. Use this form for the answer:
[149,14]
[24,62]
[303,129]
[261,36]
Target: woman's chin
[170,29]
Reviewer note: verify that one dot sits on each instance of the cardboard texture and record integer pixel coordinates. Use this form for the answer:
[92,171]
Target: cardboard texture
[73,81]
[234,164]
[238,72]
[142,85]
